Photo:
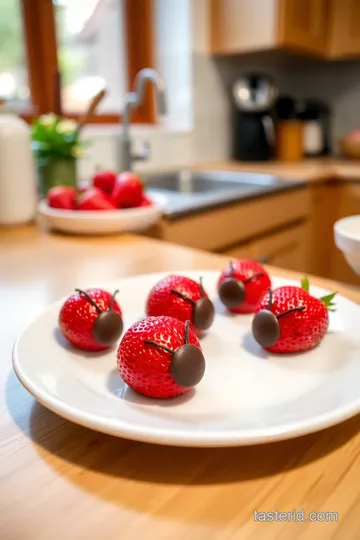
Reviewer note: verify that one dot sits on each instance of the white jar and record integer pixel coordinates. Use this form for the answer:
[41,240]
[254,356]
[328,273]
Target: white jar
[18,192]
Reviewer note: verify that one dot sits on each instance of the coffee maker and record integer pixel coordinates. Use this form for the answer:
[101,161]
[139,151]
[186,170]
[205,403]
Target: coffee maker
[253,132]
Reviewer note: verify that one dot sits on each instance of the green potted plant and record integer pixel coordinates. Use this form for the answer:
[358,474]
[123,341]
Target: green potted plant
[56,145]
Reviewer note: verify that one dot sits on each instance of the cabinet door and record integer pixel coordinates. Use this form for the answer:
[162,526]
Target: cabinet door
[286,249]
[303,25]
[345,28]
[349,205]
[242,25]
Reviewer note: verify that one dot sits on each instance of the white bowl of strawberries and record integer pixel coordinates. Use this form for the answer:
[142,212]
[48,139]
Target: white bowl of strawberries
[111,204]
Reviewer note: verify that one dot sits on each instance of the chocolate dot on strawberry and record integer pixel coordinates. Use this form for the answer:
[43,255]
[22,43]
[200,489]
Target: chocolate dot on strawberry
[242,284]
[187,364]
[291,320]
[108,325]
[184,299]
[161,357]
[91,319]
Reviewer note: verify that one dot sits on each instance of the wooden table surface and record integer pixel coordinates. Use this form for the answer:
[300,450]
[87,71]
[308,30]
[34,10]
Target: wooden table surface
[59,481]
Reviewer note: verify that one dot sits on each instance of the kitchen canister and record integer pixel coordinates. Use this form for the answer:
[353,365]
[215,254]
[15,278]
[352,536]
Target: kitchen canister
[18,187]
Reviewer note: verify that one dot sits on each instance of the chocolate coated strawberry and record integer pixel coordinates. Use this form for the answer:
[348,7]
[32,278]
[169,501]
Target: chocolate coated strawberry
[242,285]
[160,357]
[182,298]
[290,320]
[91,319]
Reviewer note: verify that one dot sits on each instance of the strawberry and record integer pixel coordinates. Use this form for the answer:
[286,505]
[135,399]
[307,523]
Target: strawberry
[62,197]
[289,319]
[104,180]
[160,357]
[145,201]
[128,191]
[95,199]
[182,298]
[242,285]
[91,319]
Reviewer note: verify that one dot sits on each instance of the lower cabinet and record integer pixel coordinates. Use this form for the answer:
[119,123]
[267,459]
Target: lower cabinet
[287,248]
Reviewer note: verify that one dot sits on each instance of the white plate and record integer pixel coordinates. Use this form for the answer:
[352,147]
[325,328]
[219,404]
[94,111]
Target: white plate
[247,396]
[102,222]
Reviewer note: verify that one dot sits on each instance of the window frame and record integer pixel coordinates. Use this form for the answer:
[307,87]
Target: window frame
[41,51]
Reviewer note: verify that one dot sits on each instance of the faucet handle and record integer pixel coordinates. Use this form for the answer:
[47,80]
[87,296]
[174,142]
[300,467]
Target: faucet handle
[144,154]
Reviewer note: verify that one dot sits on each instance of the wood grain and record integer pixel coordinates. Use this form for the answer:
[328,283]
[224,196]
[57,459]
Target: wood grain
[345,33]
[286,248]
[64,482]
[238,26]
[303,26]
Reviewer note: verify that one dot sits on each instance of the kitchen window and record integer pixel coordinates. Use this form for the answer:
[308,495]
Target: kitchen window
[92,44]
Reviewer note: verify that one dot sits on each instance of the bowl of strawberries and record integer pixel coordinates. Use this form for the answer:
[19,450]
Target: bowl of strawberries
[111,203]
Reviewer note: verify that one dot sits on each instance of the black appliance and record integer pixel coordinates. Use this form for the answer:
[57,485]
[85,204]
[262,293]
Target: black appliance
[253,134]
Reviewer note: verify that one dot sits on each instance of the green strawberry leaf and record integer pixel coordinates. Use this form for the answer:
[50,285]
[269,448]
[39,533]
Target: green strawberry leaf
[305,284]
[328,301]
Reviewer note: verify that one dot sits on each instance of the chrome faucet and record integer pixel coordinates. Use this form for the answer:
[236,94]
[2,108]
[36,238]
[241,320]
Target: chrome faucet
[132,100]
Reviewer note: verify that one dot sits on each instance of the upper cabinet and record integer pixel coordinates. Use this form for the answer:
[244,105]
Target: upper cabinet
[345,31]
[325,28]
[303,25]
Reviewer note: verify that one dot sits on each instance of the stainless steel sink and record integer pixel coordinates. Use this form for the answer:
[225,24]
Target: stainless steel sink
[188,191]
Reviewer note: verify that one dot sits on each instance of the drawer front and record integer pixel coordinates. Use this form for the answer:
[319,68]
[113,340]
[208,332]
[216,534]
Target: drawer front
[286,249]
[216,229]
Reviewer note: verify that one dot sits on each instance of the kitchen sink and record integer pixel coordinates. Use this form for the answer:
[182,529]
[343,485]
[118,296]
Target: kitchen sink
[189,191]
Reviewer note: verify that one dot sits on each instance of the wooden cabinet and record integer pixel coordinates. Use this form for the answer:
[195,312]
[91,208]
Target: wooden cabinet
[250,25]
[303,25]
[326,28]
[242,25]
[286,248]
[348,205]
[345,29]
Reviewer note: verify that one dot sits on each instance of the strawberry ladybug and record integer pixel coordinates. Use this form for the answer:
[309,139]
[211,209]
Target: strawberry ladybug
[182,298]
[242,285]
[160,357]
[290,320]
[91,319]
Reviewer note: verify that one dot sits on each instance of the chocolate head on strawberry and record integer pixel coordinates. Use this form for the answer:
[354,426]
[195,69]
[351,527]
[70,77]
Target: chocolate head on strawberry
[91,319]
[182,298]
[289,319]
[242,285]
[161,357]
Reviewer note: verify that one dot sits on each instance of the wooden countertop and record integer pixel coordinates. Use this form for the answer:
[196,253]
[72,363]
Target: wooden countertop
[312,170]
[60,481]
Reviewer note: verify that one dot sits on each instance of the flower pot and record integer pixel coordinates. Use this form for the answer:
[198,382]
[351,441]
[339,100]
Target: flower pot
[55,172]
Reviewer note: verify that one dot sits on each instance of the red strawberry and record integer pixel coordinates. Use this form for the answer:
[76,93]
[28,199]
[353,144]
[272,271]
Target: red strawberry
[290,320]
[95,199]
[104,180]
[91,319]
[182,298]
[146,201]
[242,285]
[128,191]
[160,357]
[62,197]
